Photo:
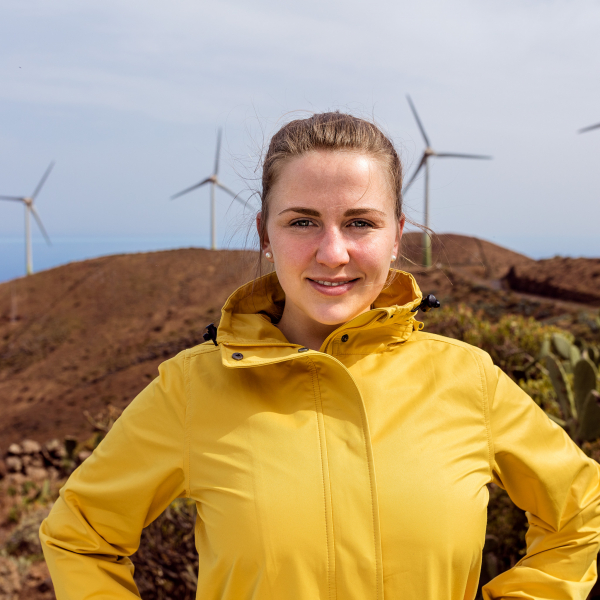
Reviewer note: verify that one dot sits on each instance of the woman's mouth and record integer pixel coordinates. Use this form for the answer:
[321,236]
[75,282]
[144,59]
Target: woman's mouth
[332,287]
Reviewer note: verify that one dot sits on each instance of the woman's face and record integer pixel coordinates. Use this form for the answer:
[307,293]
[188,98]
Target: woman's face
[332,231]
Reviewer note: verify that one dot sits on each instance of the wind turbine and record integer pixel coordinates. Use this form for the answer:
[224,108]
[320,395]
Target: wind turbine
[424,163]
[30,210]
[596,126]
[214,183]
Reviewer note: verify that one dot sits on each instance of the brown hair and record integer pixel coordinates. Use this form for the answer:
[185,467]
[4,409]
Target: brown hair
[328,131]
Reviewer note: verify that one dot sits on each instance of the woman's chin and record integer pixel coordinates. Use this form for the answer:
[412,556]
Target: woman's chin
[337,316]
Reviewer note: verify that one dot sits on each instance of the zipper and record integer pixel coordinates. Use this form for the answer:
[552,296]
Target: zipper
[371,467]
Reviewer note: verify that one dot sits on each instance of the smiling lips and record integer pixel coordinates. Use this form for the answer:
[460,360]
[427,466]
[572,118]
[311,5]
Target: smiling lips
[332,288]
[332,283]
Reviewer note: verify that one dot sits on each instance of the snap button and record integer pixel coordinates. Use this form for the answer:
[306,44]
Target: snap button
[345,337]
[237,356]
[302,349]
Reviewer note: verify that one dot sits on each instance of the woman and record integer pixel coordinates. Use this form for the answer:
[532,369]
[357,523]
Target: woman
[334,450]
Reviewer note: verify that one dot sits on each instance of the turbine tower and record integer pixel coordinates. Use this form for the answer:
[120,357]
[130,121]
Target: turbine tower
[424,163]
[596,126]
[31,211]
[214,183]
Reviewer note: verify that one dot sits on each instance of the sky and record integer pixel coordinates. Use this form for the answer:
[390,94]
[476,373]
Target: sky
[127,97]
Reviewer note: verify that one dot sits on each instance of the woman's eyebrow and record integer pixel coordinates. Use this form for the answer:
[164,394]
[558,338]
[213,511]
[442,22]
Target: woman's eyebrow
[351,212]
[356,212]
[303,211]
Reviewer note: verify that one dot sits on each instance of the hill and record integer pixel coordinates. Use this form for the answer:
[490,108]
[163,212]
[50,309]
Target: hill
[468,255]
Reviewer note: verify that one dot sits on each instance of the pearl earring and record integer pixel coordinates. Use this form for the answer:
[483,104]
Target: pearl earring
[268,255]
[393,257]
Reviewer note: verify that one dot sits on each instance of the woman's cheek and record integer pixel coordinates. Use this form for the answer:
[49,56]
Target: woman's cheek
[373,257]
[296,252]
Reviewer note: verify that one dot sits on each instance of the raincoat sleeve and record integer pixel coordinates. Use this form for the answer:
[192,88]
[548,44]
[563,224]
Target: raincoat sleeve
[550,478]
[133,475]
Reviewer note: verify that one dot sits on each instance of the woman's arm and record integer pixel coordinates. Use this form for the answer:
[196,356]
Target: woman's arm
[133,475]
[548,476]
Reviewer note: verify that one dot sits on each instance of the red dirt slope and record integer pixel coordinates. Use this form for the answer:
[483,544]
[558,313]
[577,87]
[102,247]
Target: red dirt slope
[576,279]
[89,334]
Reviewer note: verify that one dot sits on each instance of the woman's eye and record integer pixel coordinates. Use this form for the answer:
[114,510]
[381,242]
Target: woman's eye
[360,224]
[302,223]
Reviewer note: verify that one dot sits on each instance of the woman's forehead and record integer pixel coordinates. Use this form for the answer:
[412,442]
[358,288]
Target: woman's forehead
[322,178]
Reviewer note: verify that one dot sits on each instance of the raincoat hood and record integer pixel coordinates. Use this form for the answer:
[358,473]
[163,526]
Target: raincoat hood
[250,315]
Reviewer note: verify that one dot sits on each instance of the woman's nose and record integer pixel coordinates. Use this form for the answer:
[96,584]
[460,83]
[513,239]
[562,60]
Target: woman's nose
[332,250]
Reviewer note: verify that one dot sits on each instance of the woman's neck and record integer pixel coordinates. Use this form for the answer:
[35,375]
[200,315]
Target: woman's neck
[304,331]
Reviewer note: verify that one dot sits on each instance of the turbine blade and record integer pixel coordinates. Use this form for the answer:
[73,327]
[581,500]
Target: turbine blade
[596,126]
[218,154]
[191,189]
[456,155]
[42,181]
[17,198]
[414,112]
[414,176]
[40,225]
[234,195]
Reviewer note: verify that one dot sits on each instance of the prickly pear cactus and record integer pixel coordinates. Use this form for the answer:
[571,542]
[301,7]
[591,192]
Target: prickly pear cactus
[589,423]
[561,387]
[575,356]
[545,349]
[585,377]
[593,353]
[579,402]
[562,346]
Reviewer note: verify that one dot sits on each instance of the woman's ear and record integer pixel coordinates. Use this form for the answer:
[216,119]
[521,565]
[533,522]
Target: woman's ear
[262,233]
[399,231]
[263,236]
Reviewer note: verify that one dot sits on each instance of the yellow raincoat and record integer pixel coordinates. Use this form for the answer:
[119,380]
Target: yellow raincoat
[358,472]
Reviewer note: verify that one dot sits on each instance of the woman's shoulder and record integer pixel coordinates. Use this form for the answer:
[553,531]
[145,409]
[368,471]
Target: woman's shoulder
[179,365]
[433,340]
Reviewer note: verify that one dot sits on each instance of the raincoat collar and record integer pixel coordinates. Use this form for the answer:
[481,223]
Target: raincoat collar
[249,317]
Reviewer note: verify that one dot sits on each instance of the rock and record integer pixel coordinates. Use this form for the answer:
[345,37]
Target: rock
[55,448]
[31,447]
[10,584]
[15,450]
[35,460]
[36,473]
[13,464]
[3,469]
[53,473]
